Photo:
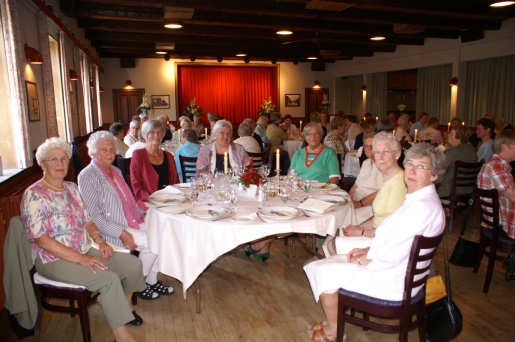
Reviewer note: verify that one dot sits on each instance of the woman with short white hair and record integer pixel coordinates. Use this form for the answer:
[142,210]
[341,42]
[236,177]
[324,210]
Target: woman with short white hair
[402,128]
[245,130]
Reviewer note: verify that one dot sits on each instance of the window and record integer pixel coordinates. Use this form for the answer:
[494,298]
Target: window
[62,122]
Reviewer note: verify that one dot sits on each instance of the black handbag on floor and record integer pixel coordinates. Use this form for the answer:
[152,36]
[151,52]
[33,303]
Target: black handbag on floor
[444,321]
[465,252]
[510,265]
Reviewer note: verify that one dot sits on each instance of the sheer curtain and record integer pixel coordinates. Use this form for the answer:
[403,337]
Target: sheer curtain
[235,93]
[378,94]
[353,95]
[65,84]
[434,92]
[490,88]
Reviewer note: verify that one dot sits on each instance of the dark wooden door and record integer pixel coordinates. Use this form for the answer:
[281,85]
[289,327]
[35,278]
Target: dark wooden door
[125,104]
[314,99]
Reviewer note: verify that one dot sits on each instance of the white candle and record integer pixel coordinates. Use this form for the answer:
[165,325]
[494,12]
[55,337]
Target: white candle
[463,123]
[277,159]
[416,131]
[449,127]
[225,163]
[179,135]
[300,129]
[205,132]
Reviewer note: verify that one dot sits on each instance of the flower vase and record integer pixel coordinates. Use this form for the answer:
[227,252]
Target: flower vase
[144,111]
[401,107]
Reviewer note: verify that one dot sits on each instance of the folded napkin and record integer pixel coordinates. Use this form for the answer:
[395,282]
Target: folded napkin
[176,209]
[253,220]
[169,190]
[315,205]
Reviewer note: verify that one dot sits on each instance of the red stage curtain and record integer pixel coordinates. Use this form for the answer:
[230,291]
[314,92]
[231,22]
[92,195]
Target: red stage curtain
[233,92]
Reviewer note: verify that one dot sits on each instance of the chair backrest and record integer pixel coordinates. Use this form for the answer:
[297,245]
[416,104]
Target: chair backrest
[124,164]
[267,147]
[258,159]
[465,177]
[350,144]
[422,251]
[188,167]
[489,203]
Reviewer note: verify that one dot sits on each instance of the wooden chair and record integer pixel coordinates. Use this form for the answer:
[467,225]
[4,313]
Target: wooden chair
[402,311]
[489,200]
[188,167]
[258,159]
[267,147]
[124,164]
[465,177]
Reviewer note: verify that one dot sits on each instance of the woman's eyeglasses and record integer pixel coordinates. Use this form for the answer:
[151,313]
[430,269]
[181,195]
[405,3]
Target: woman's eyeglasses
[418,168]
[313,134]
[382,153]
[55,160]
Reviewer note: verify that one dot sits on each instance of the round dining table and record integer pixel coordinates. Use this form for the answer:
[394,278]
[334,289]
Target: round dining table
[292,146]
[186,246]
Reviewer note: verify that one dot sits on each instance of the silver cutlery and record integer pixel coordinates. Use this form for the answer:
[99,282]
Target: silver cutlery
[260,218]
[305,213]
[213,213]
[278,213]
[220,218]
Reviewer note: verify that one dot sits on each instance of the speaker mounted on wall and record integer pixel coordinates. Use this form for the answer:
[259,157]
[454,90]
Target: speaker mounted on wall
[127,62]
[317,66]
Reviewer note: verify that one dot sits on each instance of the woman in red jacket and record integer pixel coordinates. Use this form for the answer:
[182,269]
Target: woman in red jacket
[151,168]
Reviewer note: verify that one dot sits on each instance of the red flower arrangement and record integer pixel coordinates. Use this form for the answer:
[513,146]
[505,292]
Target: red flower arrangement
[251,176]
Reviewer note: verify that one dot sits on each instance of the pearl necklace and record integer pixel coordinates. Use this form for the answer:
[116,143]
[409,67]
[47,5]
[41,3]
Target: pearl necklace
[314,151]
[53,187]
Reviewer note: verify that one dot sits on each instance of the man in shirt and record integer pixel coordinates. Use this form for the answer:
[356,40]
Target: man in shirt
[335,140]
[420,125]
[116,129]
[496,174]
[485,128]
[132,137]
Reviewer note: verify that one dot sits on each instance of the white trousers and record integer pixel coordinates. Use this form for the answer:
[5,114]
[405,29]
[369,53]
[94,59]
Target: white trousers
[148,258]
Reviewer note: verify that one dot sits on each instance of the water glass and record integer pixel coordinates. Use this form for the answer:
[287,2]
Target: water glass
[307,186]
[285,193]
[266,169]
[233,198]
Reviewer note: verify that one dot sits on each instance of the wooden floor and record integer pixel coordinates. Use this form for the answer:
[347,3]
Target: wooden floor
[248,300]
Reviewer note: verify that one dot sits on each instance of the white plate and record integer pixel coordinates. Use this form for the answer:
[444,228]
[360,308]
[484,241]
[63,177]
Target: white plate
[203,212]
[324,186]
[289,212]
[242,218]
[163,200]
[182,186]
[332,199]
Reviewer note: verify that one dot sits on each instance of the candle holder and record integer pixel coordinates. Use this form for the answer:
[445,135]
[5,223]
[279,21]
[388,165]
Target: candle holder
[278,173]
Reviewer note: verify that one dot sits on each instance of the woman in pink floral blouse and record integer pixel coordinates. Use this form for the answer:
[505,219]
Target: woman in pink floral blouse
[62,237]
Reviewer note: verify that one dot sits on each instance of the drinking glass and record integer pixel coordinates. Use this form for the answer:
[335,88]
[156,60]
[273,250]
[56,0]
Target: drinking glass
[221,193]
[194,191]
[271,192]
[201,186]
[234,198]
[307,186]
[266,170]
[285,193]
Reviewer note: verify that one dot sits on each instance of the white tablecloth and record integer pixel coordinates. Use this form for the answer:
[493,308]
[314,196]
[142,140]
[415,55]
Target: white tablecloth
[351,166]
[291,146]
[187,246]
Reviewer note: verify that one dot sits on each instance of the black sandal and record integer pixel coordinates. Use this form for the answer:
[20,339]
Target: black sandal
[162,289]
[148,294]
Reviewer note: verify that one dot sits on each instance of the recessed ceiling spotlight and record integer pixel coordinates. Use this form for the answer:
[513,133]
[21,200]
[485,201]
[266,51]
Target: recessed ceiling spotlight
[246,60]
[219,59]
[173,25]
[192,58]
[312,57]
[161,52]
[274,61]
[378,38]
[284,31]
[241,55]
[167,57]
[295,62]
[502,3]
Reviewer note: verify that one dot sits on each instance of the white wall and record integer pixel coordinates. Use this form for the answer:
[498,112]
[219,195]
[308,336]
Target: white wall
[157,77]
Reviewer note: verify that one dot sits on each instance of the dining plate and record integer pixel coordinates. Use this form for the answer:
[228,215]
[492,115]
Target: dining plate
[336,200]
[324,186]
[163,200]
[279,213]
[208,212]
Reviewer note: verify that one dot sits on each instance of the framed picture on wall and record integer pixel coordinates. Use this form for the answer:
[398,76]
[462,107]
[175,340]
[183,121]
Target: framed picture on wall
[401,97]
[292,100]
[160,101]
[33,101]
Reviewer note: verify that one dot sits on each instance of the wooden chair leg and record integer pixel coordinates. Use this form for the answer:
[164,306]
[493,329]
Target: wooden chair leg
[422,324]
[37,326]
[451,219]
[72,306]
[490,268]
[82,303]
[340,327]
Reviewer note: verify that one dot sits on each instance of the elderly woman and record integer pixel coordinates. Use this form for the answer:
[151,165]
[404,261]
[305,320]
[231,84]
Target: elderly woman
[211,156]
[401,132]
[168,135]
[379,270]
[256,136]
[109,201]
[151,168]
[133,136]
[287,125]
[316,161]
[245,131]
[261,124]
[189,148]
[197,125]
[62,234]
[459,150]
[431,132]
[185,124]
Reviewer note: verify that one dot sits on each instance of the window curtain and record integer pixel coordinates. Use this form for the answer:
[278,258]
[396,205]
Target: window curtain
[15,64]
[65,85]
[378,94]
[79,91]
[235,93]
[353,95]
[96,82]
[490,88]
[93,95]
[84,67]
[48,82]
[434,92]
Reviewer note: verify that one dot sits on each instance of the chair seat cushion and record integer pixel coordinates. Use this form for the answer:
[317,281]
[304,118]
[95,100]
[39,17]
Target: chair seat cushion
[501,235]
[39,279]
[377,301]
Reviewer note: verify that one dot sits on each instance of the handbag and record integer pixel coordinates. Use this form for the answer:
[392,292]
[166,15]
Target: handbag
[510,265]
[465,251]
[444,321]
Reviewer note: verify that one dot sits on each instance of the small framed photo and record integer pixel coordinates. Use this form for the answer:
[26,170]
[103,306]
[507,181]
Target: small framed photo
[401,97]
[33,101]
[160,101]
[292,100]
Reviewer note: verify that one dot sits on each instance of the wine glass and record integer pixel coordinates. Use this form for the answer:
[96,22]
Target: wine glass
[307,186]
[194,191]
[233,196]
[285,193]
[271,190]
[222,192]
[266,169]
[201,185]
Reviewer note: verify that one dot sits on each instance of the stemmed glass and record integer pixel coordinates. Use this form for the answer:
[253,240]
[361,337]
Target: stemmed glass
[284,193]
[266,170]
[307,186]
[194,191]
[201,185]
[233,197]
[271,190]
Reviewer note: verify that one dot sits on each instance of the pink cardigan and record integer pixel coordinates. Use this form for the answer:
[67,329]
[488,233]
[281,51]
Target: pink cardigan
[144,178]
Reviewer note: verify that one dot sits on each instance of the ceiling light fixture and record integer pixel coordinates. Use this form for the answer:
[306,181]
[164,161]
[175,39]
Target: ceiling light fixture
[312,57]
[378,38]
[246,60]
[161,52]
[316,85]
[167,57]
[502,3]
[295,62]
[192,58]
[453,82]
[128,84]
[241,55]
[219,59]
[33,55]
[274,61]
[73,75]
[173,25]
[284,31]
[363,87]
